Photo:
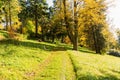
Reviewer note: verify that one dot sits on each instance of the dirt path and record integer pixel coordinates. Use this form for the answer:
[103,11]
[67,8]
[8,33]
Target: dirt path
[31,75]
[59,63]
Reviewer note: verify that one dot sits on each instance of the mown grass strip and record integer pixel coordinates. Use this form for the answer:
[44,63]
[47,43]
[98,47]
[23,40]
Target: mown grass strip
[60,68]
[70,73]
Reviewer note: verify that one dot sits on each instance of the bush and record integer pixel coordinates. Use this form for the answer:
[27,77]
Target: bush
[114,52]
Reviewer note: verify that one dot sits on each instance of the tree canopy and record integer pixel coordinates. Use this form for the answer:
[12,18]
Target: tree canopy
[77,22]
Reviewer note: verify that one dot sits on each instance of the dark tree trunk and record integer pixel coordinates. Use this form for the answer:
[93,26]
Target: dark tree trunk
[36,19]
[98,40]
[69,30]
[75,43]
[42,36]
[95,38]
[62,39]
[10,20]
[21,27]
[53,38]
[6,18]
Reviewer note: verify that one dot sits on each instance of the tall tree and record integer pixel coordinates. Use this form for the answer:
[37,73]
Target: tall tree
[11,8]
[36,8]
[72,29]
[93,19]
[118,38]
[23,14]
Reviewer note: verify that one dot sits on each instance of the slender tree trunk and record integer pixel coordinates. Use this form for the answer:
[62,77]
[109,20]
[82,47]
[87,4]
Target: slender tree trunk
[69,31]
[95,39]
[98,41]
[10,20]
[36,19]
[21,27]
[62,39]
[42,36]
[53,38]
[75,44]
[6,18]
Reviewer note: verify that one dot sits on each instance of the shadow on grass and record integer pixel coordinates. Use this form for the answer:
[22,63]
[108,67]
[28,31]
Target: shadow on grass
[86,51]
[4,34]
[46,47]
[8,52]
[115,71]
[42,46]
[81,49]
[105,76]
[91,77]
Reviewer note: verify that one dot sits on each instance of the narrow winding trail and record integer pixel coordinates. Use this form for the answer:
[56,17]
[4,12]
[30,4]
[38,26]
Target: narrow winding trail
[31,75]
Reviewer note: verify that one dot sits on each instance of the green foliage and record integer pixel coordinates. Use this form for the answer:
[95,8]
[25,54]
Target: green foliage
[29,28]
[118,38]
[10,10]
[27,59]
[114,52]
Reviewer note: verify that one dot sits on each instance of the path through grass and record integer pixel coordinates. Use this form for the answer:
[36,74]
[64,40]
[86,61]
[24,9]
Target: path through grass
[32,60]
[60,68]
[28,60]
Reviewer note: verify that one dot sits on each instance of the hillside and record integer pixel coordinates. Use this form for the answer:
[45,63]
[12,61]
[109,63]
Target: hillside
[33,60]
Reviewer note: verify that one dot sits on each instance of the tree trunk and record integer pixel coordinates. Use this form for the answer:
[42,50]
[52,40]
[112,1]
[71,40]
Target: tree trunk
[6,18]
[10,20]
[62,39]
[36,19]
[53,38]
[21,27]
[43,39]
[69,31]
[98,41]
[75,44]
[73,37]
[95,40]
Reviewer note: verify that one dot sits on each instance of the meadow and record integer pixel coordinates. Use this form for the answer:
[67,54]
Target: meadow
[33,60]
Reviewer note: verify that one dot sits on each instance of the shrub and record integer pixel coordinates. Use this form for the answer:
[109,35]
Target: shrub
[114,52]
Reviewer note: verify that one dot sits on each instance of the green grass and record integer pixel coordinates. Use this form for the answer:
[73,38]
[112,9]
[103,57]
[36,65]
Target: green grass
[95,67]
[33,60]
[17,60]
[3,35]
[60,68]
[22,60]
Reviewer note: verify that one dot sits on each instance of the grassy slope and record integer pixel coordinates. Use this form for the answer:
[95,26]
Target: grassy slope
[95,67]
[16,61]
[31,60]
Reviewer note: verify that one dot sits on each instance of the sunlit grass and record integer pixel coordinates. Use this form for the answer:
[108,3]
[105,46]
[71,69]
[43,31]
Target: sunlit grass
[95,67]
[33,60]
[16,61]
[60,68]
